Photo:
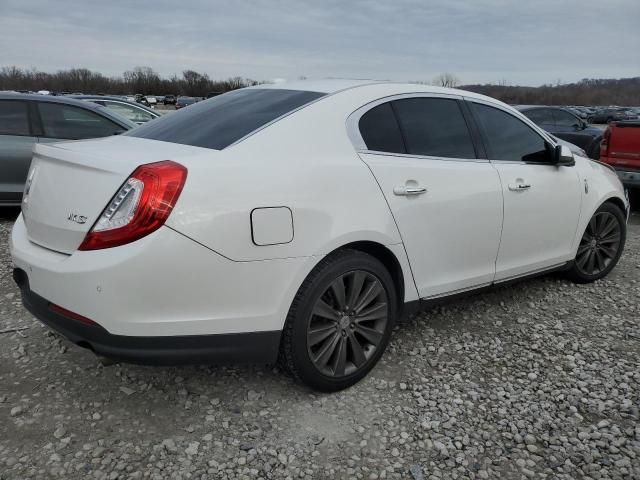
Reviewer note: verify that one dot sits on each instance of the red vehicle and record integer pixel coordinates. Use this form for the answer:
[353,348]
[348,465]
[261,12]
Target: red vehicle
[620,148]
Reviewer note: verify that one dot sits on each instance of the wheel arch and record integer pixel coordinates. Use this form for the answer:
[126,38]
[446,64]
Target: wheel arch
[390,261]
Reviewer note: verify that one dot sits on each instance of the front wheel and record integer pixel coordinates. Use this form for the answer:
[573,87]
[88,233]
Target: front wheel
[601,245]
[340,321]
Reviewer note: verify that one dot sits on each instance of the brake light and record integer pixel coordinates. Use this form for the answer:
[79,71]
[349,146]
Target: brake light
[604,144]
[141,206]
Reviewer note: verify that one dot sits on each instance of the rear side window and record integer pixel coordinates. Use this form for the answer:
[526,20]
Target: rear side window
[540,116]
[14,118]
[435,127]
[74,123]
[220,121]
[380,131]
[508,137]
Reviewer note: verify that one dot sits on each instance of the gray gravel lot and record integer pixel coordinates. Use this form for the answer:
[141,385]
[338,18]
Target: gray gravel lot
[537,380]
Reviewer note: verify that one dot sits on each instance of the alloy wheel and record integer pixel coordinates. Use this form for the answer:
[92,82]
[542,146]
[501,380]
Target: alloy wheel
[347,323]
[600,243]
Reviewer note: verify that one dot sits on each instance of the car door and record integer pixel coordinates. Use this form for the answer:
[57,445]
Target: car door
[541,200]
[16,144]
[446,202]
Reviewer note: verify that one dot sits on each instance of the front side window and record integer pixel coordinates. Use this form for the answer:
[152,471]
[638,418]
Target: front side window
[74,123]
[14,118]
[508,137]
[222,120]
[434,127]
[380,130]
[134,114]
[565,119]
[540,116]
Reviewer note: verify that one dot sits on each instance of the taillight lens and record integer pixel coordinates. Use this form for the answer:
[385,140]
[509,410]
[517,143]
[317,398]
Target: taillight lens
[141,206]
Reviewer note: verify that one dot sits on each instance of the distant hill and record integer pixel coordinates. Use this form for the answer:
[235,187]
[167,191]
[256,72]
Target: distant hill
[623,92]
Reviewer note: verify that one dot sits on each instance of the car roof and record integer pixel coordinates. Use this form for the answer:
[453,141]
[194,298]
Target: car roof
[105,112]
[337,85]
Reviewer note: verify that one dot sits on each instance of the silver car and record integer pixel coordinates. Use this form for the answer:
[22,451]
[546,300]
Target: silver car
[29,119]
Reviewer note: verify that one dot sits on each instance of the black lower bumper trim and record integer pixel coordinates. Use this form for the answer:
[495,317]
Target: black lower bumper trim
[253,347]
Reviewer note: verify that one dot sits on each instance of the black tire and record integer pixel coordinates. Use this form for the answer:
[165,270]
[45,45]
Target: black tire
[590,120]
[295,348]
[600,245]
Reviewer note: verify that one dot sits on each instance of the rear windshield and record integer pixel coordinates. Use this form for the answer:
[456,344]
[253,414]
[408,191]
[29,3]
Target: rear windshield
[220,121]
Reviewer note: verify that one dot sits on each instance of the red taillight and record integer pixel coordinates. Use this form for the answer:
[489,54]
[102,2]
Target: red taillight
[604,145]
[71,315]
[141,206]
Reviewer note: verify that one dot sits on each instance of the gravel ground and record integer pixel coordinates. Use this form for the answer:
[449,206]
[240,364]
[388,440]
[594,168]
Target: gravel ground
[537,380]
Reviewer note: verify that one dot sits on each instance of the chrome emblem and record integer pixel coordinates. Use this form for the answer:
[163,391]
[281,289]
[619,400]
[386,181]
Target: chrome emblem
[74,217]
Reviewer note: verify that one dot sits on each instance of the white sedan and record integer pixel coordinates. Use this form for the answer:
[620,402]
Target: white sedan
[297,222]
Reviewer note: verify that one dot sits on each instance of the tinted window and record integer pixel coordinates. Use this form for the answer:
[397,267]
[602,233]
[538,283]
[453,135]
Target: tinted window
[539,116]
[135,114]
[509,138]
[218,122]
[565,119]
[14,118]
[380,131]
[434,127]
[74,123]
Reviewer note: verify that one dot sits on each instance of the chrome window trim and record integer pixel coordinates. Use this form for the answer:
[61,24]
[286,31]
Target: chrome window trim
[422,157]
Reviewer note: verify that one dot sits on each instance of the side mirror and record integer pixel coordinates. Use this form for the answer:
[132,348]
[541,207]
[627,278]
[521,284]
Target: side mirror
[563,157]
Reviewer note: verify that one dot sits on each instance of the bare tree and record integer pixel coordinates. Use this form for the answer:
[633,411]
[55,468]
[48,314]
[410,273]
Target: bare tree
[446,80]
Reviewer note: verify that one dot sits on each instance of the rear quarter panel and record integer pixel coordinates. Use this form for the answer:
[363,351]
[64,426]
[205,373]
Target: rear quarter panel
[305,162]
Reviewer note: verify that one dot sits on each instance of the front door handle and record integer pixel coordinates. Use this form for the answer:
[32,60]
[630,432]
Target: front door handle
[518,187]
[408,191]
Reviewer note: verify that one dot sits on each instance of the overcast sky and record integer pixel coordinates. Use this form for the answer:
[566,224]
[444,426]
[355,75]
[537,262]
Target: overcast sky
[526,42]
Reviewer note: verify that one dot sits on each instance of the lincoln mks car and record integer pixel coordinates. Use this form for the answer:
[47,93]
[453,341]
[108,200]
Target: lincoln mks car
[297,222]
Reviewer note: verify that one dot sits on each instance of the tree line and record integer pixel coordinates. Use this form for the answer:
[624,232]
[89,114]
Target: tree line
[145,80]
[142,80]
[621,92]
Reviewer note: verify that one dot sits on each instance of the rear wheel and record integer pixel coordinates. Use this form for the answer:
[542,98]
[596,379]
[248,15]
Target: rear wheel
[340,321]
[601,245]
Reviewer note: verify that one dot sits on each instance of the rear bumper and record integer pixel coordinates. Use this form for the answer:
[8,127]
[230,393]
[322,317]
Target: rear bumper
[253,347]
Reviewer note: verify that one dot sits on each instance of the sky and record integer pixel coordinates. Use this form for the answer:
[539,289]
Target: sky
[516,42]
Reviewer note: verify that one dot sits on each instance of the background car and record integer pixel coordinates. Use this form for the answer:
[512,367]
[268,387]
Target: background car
[169,100]
[298,221]
[26,120]
[135,112]
[606,115]
[566,125]
[621,149]
[182,102]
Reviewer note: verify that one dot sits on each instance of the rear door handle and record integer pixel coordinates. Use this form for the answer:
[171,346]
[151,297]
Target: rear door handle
[517,187]
[408,191]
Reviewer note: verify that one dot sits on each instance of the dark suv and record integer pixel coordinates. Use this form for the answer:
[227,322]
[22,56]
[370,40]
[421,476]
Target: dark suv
[29,119]
[565,125]
[169,100]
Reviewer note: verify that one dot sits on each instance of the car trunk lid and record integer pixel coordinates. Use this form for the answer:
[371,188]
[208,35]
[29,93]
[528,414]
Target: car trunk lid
[70,184]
